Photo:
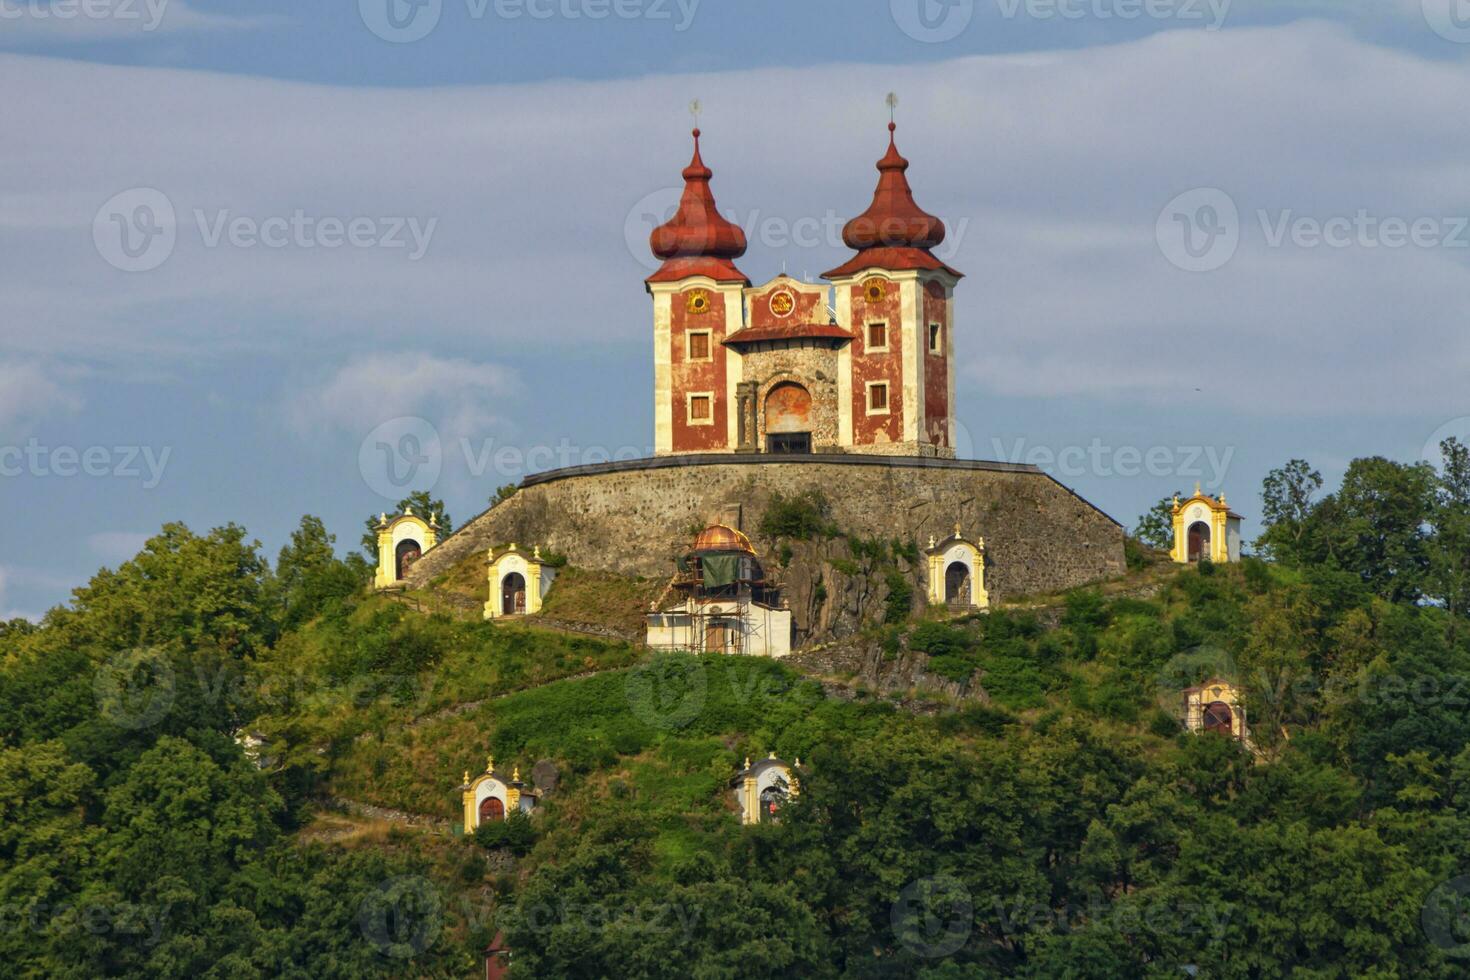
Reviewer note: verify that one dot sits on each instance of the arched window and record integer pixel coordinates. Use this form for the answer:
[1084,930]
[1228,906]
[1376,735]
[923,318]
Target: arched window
[513,594]
[957,584]
[407,553]
[491,809]
[1219,718]
[1199,541]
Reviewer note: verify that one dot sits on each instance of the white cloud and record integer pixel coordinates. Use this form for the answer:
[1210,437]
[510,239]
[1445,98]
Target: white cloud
[1057,163]
[29,392]
[25,23]
[458,396]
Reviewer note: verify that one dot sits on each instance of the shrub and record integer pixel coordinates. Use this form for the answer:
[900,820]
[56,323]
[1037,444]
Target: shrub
[515,834]
[801,516]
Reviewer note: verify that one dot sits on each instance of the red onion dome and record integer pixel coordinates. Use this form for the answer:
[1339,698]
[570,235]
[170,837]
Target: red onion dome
[697,230]
[893,220]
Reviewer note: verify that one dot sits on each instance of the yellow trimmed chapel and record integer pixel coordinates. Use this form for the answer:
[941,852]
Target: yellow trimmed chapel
[401,542]
[1205,528]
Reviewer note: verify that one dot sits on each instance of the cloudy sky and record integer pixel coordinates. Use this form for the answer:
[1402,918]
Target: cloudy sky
[238,252]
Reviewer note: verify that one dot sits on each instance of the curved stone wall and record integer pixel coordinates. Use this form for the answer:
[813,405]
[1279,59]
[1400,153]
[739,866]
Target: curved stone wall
[633,517]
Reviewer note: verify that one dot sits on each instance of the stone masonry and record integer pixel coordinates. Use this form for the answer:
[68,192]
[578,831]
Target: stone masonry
[634,517]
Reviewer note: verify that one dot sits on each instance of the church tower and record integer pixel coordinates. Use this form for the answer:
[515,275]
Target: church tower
[896,299]
[698,301]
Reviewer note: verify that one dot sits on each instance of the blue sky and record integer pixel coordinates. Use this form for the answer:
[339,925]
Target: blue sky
[366,230]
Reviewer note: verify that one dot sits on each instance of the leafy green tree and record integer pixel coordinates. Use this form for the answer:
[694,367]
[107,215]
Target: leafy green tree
[1156,526]
[502,494]
[1449,557]
[309,575]
[1286,505]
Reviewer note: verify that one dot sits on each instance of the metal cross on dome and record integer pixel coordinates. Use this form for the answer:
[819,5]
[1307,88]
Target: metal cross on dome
[892,102]
[694,108]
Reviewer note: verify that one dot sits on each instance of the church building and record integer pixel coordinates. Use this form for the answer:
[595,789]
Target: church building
[863,364]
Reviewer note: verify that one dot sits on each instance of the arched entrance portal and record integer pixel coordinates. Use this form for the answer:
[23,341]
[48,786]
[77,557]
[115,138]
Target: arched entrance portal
[788,414]
[1219,719]
[1199,541]
[491,809]
[513,594]
[957,584]
[406,554]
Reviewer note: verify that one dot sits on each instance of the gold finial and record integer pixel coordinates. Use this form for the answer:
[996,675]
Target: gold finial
[747,762]
[407,510]
[980,544]
[771,756]
[515,775]
[798,762]
[956,528]
[512,546]
[466,777]
[1197,490]
[1222,498]
[932,542]
[489,763]
[536,553]
[382,519]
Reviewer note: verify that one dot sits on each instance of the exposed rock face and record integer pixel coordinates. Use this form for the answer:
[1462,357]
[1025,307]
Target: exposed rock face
[632,518]
[898,673]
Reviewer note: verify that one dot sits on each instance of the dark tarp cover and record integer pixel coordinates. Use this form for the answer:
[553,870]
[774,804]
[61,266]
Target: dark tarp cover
[720,570]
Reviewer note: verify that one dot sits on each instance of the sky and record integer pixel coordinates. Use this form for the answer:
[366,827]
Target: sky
[248,259]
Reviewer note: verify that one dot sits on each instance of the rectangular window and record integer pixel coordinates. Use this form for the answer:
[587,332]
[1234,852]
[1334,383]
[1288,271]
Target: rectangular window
[936,339]
[698,345]
[877,336]
[701,409]
[877,398]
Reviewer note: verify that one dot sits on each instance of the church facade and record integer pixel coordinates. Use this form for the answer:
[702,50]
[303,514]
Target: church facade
[861,364]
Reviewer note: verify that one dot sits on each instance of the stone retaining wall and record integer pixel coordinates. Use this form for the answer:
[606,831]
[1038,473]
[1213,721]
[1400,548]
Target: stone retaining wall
[633,517]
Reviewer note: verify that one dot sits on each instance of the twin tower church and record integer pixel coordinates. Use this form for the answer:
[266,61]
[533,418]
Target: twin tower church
[864,365]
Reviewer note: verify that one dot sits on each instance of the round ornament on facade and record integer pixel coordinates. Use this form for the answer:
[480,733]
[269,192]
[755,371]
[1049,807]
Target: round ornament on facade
[698,301]
[875,289]
[783,302]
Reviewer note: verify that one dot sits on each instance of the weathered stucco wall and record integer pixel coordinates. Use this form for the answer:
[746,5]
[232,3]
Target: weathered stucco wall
[634,517]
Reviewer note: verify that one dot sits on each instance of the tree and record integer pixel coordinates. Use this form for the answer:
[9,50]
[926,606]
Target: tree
[1286,504]
[1156,526]
[422,505]
[1449,556]
[309,574]
[502,494]
[1379,525]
